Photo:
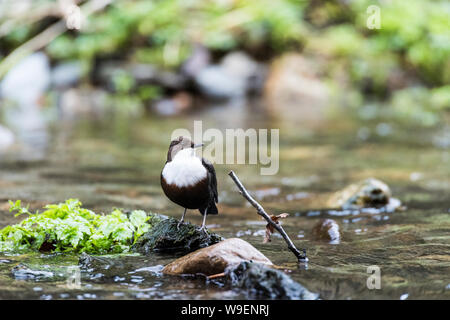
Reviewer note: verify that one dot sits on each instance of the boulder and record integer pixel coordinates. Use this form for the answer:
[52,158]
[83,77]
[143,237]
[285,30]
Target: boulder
[264,282]
[328,230]
[216,258]
[165,236]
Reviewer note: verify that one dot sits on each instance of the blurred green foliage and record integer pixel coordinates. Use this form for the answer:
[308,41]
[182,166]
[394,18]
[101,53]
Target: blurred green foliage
[413,36]
[411,48]
[163,32]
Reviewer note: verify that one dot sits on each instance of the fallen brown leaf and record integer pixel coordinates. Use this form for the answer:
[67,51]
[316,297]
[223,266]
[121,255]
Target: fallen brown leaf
[270,229]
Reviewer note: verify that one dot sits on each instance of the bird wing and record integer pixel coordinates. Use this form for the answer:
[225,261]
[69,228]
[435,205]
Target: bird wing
[212,180]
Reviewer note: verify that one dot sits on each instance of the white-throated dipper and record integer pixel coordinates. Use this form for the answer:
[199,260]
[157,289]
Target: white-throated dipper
[188,180]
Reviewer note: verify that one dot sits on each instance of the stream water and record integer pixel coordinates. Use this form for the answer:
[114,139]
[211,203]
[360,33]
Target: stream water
[117,163]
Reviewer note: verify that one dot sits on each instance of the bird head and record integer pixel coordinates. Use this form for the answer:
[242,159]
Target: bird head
[179,144]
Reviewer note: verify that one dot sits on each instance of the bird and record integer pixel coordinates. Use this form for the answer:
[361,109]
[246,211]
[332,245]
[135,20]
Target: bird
[188,180]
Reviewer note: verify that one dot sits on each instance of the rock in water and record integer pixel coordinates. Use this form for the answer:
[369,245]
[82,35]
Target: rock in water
[166,236]
[265,282]
[23,272]
[216,258]
[115,268]
[327,229]
[370,193]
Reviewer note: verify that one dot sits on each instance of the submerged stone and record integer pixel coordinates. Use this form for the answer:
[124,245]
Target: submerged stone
[166,236]
[39,273]
[92,263]
[370,193]
[102,268]
[23,272]
[263,282]
[115,268]
[216,258]
[328,230]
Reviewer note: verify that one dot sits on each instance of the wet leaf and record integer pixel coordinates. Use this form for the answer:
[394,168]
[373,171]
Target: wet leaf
[270,229]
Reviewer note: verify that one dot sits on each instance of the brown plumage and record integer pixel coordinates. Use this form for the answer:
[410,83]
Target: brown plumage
[200,194]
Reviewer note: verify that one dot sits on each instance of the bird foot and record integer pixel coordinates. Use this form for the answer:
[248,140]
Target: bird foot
[179,224]
[203,228]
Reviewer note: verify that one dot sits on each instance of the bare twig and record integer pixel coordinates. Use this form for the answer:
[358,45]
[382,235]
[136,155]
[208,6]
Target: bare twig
[260,210]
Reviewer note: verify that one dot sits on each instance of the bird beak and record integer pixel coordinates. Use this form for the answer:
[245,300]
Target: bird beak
[198,145]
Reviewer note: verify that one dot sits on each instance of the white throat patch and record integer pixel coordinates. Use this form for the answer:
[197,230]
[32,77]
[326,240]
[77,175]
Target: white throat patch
[185,169]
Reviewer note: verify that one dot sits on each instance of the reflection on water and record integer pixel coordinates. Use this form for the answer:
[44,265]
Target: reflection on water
[31,130]
[117,163]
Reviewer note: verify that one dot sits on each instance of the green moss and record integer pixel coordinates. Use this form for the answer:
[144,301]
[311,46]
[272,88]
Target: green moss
[66,227]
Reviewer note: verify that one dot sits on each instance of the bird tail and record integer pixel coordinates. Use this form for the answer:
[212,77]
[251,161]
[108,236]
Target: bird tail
[212,209]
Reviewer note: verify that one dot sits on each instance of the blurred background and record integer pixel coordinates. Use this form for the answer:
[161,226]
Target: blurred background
[90,92]
[142,57]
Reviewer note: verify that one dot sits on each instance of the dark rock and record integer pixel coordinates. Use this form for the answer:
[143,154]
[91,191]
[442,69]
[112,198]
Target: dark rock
[216,258]
[165,236]
[263,282]
[48,245]
[328,230]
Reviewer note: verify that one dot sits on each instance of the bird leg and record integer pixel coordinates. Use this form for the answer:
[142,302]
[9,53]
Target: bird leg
[182,219]
[204,220]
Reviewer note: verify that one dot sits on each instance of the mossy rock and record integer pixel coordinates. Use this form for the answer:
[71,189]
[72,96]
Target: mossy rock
[165,236]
